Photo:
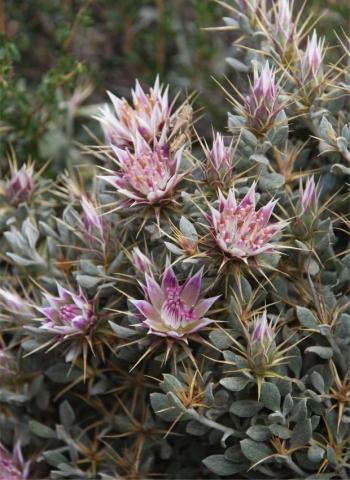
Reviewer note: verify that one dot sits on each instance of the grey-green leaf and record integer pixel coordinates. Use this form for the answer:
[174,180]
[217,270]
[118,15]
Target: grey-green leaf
[306,317]
[245,408]
[235,384]
[41,430]
[255,451]
[220,466]
[259,433]
[323,352]
[270,396]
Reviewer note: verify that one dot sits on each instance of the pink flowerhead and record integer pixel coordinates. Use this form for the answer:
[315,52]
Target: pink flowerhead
[284,26]
[21,185]
[312,59]
[67,314]
[97,230]
[148,114]
[239,230]
[219,162]
[308,195]
[146,176]
[8,466]
[141,262]
[263,104]
[174,310]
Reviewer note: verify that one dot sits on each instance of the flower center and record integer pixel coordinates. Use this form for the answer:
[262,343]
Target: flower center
[68,312]
[175,312]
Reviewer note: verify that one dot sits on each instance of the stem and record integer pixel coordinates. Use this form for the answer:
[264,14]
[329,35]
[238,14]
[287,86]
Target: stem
[228,432]
[295,467]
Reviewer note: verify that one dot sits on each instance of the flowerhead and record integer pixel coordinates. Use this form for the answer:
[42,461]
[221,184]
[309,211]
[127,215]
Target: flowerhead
[172,309]
[262,105]
[311,63]
[68,314]
[239,230]
[219,163]
[21,185]
[8,467]
[148,115]
[146,176]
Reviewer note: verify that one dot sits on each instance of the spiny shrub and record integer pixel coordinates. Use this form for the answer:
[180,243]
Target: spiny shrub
[179,306]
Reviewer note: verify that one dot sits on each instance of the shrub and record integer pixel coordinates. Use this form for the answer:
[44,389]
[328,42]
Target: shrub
[178,305]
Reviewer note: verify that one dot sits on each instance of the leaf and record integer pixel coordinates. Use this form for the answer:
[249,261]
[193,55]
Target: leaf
[87,281]
[196,428]
[245,408]
[302,433]
[323,352]
[295,361]
[317,381]
[235,384]
[220,466]
[67,415]
[41,430]
[62,373]
[220,339]
[259,433]
[30,232]
[122,332]
[237,65]
[280,431]
[171,384]
[270,396]
[271,181]
[306,318]
[255,451]
[287,404]
[54,457]
[248,137]
[315,453]
[162,407]
[259,159]
[188,229]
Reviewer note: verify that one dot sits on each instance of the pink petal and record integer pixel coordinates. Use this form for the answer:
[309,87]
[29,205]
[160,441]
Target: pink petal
[200,325]
[155,293]
[191,289]
[146,309]
[169,281]
[204,305]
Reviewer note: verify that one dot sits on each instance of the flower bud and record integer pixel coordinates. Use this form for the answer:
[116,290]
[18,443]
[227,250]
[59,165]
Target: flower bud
[284,27]
[311,64]
[262,105]
[13,303]
[21,185]
[308,196]
[141,262]
[219,163]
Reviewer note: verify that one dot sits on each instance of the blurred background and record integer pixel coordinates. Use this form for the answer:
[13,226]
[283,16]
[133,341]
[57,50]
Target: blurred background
[58,57]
